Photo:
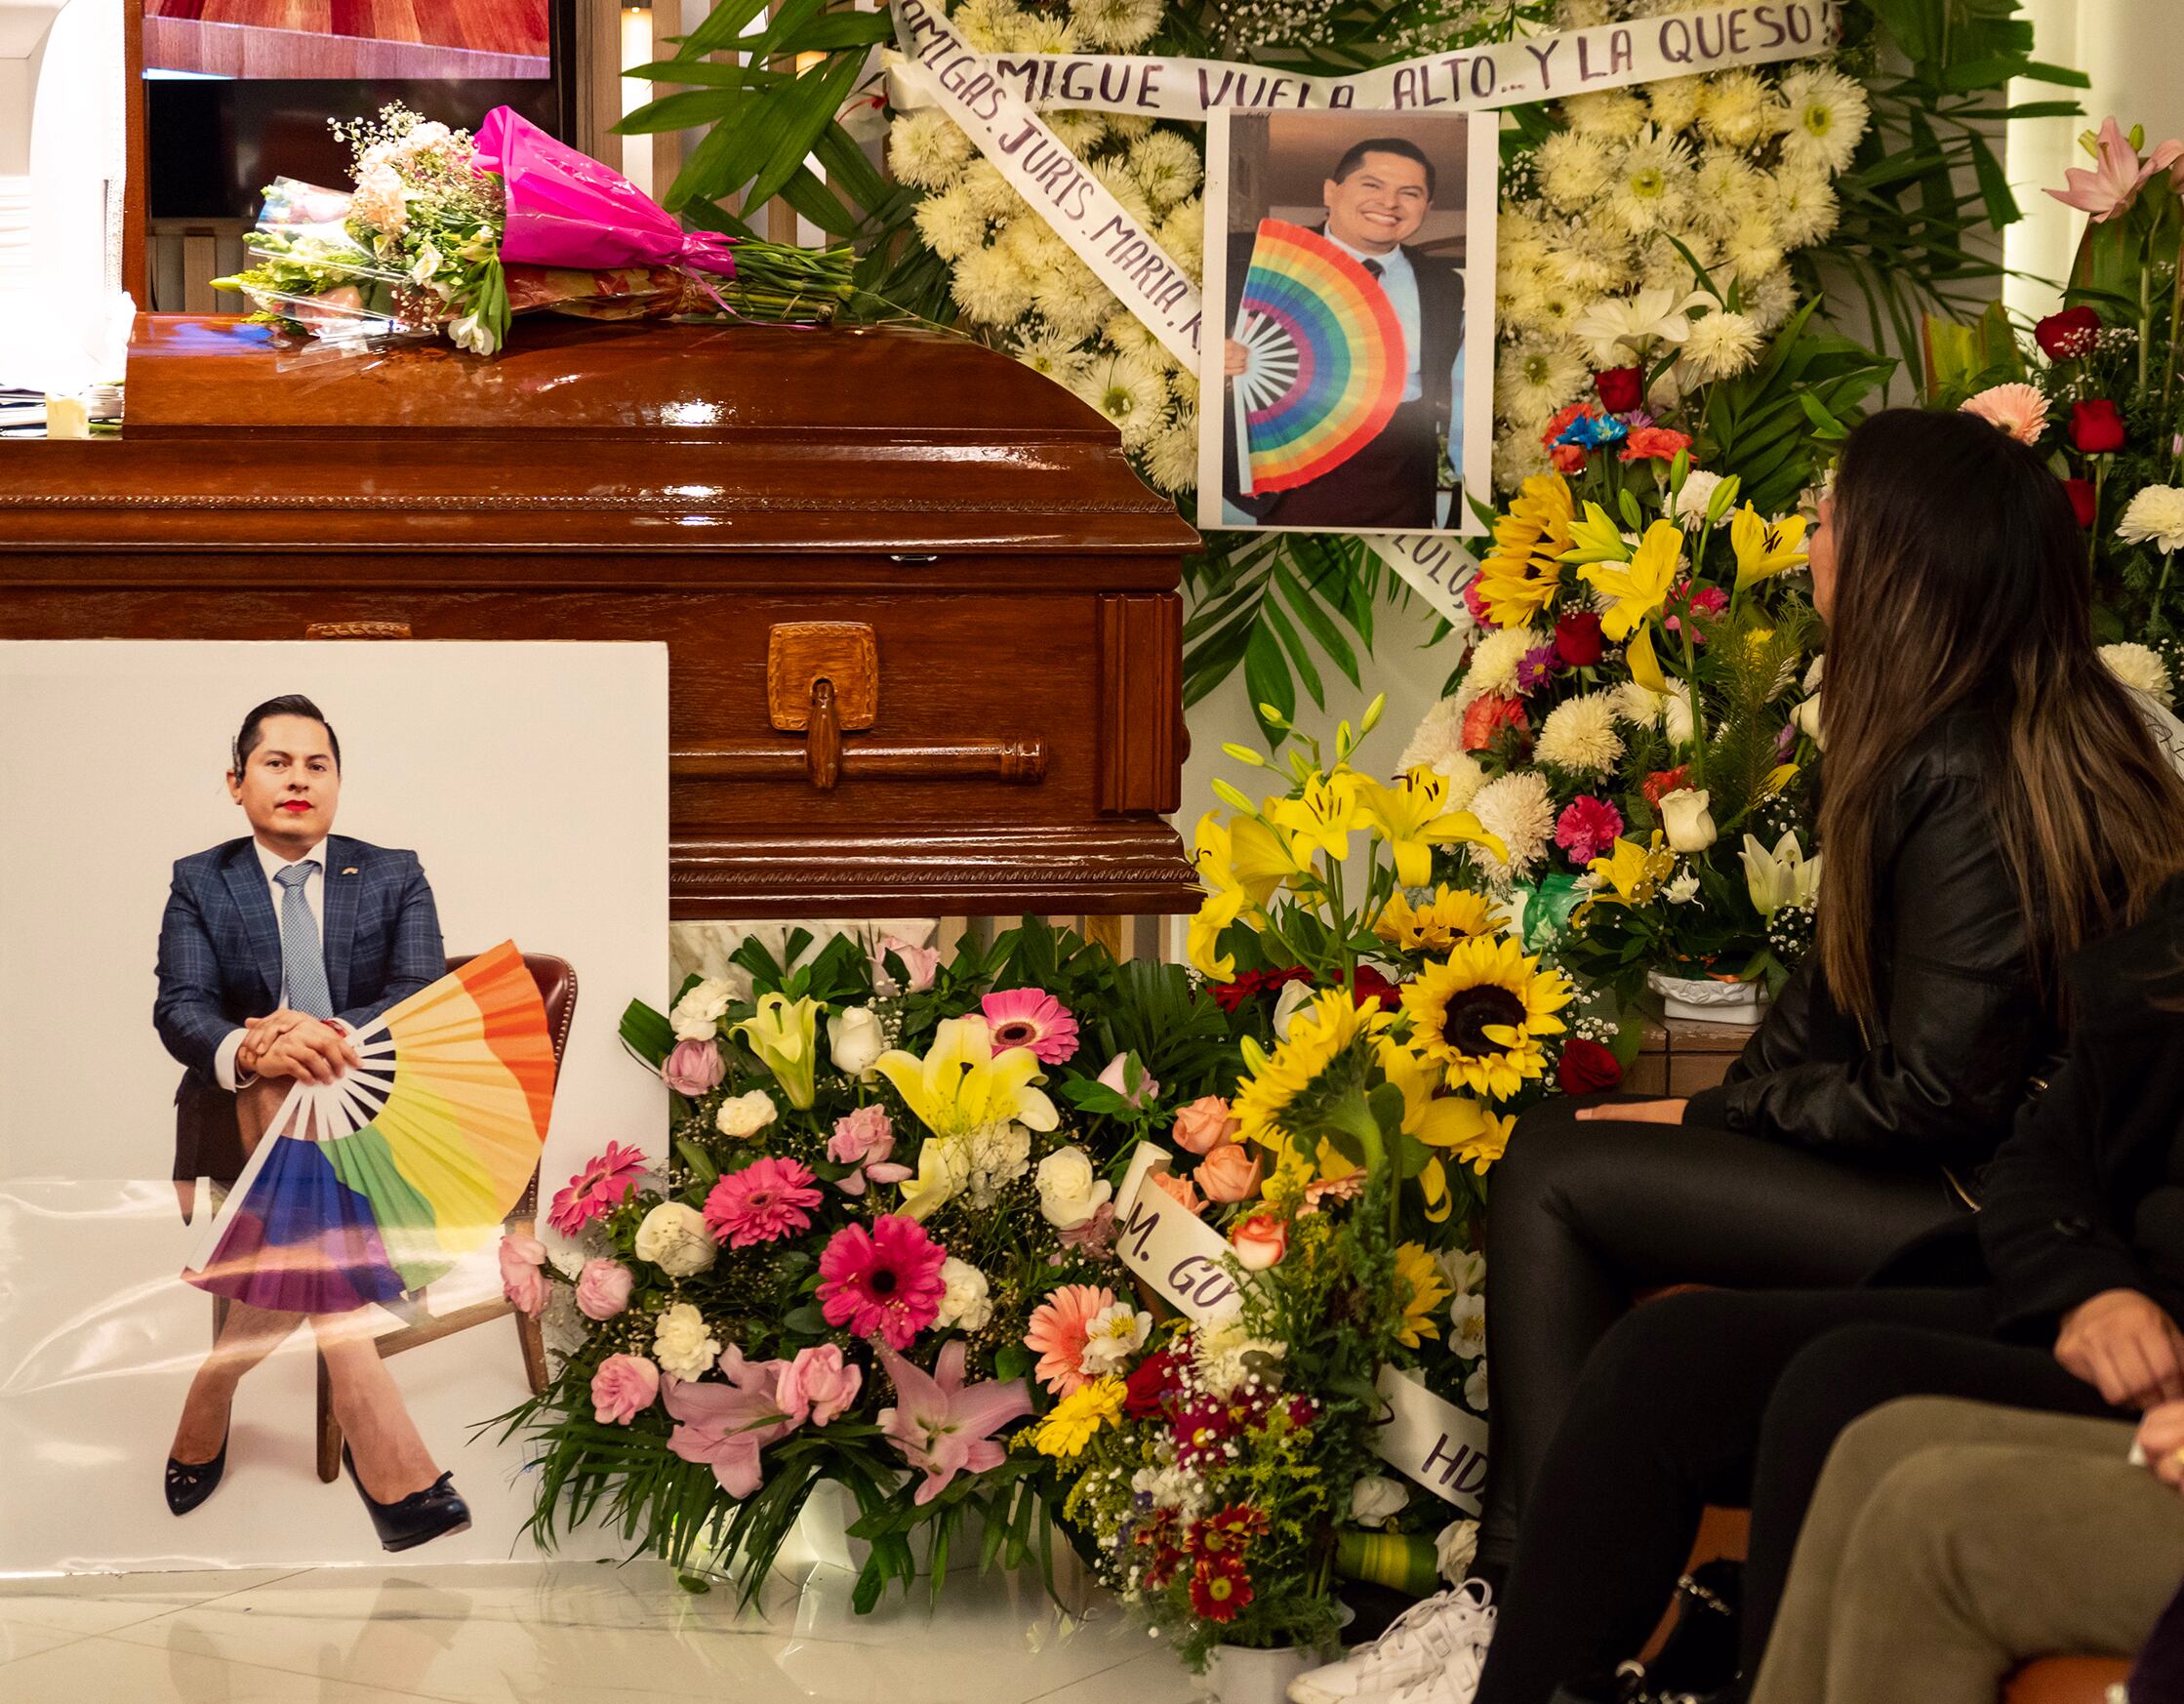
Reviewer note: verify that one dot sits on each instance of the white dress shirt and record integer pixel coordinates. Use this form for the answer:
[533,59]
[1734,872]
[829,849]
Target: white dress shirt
[314,888]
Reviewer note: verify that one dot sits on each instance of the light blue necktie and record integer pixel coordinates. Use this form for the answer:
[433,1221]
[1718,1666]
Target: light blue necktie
[302,958]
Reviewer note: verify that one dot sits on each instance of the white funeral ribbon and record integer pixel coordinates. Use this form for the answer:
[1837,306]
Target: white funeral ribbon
[1546,67]
[1170,1247]
[992,98]
[1432,1441]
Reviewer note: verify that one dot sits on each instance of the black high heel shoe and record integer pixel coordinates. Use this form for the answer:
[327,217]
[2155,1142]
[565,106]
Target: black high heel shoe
[418,1517]
[189,1484]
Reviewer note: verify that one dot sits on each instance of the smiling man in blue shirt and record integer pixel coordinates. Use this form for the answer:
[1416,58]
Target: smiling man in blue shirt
[1376,198]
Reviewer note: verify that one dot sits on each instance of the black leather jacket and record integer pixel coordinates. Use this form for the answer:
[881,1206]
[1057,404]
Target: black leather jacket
[1963,1031]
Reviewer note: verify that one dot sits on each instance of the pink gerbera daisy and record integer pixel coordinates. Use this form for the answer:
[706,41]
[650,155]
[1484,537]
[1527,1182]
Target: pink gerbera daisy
[764,1202]
[887,1282]
[1059,1329]
[603,1185]
[1030,1017]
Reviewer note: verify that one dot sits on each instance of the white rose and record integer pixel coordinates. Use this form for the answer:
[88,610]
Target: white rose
[1293,996]
[1376,1498]
[1070,1193]
[745,1115]
[1689,824]
[674,1238]
[679,1342]
[964,1300]
[855,1040]
[1807,717]
[1453,1550]
[697,1015]
[1691,502]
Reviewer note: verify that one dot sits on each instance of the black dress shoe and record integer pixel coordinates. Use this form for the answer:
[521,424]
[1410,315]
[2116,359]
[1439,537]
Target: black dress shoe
[189,1484]
[418,1517]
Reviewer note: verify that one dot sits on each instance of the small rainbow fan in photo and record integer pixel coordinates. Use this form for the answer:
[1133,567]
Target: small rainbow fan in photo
[378,1183]
[1325,359]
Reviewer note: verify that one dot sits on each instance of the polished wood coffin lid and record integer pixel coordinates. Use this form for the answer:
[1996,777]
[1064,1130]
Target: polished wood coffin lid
[713,487]
[688,439]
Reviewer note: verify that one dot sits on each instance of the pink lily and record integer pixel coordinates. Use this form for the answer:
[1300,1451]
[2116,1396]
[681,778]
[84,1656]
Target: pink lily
[728,1425]
[942,1427]
[2118,171]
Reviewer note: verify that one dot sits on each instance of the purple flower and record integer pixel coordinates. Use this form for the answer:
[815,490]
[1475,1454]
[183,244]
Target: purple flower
[1538,665]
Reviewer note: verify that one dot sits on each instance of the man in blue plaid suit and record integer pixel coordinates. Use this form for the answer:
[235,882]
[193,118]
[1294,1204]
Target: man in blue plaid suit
[275,948]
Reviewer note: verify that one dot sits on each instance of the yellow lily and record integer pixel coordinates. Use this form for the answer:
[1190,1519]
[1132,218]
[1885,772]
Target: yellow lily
[1643,664]
[1412,818]
[780,1032]
[1245,853]
[962,1084]
[1596,537]
[1765,548]
[1322,817]
[942,1173]
[1633,872]
[1218,910]
[1640,586]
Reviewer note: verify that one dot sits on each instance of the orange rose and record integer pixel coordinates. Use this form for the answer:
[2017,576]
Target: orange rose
[1261,1240]
[1204,1124]
[1178,1188]
[1229,1173]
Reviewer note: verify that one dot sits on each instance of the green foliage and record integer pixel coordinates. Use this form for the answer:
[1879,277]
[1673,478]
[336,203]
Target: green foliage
[1781,424]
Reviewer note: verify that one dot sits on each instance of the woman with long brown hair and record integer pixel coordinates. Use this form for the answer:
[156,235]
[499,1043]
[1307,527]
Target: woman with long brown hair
[1992,798]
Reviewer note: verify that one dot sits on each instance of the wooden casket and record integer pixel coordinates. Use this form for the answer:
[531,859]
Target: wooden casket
[922,620]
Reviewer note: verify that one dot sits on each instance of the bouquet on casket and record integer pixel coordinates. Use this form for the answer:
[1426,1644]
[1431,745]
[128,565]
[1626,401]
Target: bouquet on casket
[450,234]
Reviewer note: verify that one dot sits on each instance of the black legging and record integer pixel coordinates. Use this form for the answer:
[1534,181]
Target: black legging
[1580,1215]
[1729,1399]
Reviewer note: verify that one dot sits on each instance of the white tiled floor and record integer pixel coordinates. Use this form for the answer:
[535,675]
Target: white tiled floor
[559,1632]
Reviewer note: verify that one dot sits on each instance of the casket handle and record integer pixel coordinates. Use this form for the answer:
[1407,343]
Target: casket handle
[823,742]
[357,631]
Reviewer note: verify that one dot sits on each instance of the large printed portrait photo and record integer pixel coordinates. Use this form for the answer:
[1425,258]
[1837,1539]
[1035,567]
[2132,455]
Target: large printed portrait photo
[1351,255]
[290,944]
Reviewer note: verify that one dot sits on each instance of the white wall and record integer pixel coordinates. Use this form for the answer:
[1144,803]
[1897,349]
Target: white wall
[2131,50]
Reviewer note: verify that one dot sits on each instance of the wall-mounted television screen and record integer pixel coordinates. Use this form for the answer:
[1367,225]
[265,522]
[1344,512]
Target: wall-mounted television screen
[350,39]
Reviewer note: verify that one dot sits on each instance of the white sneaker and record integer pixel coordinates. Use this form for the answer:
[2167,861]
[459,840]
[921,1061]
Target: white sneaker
[1457,1684]
[1438,1634]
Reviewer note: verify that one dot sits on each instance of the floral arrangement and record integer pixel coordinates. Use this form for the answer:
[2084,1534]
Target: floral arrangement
[1631,714]
[2097,385]
[421,246]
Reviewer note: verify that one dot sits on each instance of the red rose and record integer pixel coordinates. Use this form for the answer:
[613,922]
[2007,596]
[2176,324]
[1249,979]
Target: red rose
[2081,500]
[1587,1067]
[1577,639]
[1488,715]
[1148,1390]
[2069,333]
[1663,782]
[1620,388]
[2096,427]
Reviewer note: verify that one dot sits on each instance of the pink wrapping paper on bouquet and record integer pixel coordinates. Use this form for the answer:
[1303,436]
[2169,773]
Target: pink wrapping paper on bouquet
[565,209]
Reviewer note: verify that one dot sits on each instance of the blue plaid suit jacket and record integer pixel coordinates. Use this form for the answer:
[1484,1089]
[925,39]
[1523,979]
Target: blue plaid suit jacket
[219,962]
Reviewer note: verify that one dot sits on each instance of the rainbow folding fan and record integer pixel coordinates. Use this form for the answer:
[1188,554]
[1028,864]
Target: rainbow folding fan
[1326,360]
[380,1180]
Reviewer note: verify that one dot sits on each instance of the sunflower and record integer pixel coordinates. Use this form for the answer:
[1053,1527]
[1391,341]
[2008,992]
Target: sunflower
[1481,1014]
[1280,1088]
[1452,915]
[1522,574]
[1426,1289]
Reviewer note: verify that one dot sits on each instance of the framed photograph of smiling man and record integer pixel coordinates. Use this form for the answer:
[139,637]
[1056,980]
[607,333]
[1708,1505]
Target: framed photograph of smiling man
[292,938]
[1347,380]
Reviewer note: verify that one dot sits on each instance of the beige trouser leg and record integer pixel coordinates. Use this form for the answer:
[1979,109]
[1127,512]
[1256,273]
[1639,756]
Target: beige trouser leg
[1949,1541]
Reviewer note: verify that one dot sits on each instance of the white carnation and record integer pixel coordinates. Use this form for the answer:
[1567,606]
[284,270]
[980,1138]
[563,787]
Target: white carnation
[1691,503]
[1579,735]
[745,1115]
[964,1299]
[680,1343]
[696,1017]
[1517,810]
